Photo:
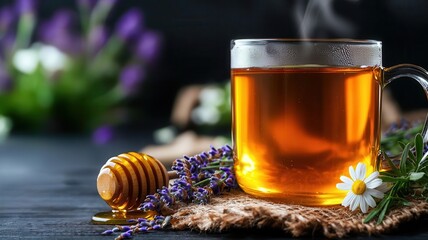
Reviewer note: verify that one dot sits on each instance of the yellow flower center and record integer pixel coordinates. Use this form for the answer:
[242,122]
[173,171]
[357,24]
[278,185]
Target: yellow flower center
[358,187]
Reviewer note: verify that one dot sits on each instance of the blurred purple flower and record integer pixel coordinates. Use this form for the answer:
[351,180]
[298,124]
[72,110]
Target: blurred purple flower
[6,19]
[59,32]
[148,46]
[130,78]
[25,6]
[103,134]
[130,24]
[97,38]
[5,81]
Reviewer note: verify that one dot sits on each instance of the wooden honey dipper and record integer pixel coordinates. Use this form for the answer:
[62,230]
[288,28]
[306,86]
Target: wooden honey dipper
[123,183]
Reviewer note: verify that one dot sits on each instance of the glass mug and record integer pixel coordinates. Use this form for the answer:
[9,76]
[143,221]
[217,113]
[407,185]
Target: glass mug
[303,111]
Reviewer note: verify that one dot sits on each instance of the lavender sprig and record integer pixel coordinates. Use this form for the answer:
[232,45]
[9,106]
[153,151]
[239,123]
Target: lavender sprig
[142,225]
[200,177]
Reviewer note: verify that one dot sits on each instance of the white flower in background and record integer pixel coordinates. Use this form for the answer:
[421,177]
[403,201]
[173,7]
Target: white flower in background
[49,57]
[361,189]
[207,112]
[26,60]
[211,96]
[205,115]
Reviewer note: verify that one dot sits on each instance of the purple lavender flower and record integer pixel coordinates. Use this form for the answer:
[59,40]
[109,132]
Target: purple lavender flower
[58,31]
[226,170]
[126,235]
[25,6]
[129,25]
[213,151]
[151,203]
[227,152]
[195,166]
[103,135]
[156,227]
[215,184]
[148,46]
[201,196]
[147,206]
[130,78]
[165,196]
[178,166]
[144,224]
[159,219]
[230,182]
[181,189]
[182,183]
[125,228]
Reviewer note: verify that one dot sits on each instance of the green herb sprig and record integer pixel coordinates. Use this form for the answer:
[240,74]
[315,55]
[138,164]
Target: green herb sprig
[406,175]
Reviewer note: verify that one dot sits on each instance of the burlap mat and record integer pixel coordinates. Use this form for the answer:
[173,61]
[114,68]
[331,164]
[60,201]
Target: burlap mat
[237,210]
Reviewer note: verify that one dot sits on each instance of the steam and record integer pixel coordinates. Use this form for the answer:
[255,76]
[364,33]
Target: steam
[317,19]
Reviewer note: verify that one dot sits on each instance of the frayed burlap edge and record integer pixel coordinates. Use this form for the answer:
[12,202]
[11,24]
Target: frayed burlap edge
[237,210]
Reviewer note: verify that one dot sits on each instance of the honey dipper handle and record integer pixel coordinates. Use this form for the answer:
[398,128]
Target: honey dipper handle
[172,175]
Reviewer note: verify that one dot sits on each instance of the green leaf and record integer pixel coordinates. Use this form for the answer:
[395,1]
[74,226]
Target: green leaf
[402,144]
[382,214]
[412,157]
[376,210]
[415,176]
[372,215]
[419,145]
[403,161]
[393,179]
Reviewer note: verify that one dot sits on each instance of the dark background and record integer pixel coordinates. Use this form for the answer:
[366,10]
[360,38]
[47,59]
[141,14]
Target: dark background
[48,184]
[197,34]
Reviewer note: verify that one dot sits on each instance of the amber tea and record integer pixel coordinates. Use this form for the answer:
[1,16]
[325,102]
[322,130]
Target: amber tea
[296,130]
[304,111]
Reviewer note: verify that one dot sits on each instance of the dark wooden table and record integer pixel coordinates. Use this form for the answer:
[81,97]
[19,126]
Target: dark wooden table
[48,191]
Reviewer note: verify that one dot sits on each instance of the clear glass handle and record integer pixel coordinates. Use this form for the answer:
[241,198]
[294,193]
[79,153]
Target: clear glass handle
[412,71]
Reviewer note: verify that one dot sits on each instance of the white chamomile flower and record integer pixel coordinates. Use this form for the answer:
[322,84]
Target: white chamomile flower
[361,189]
